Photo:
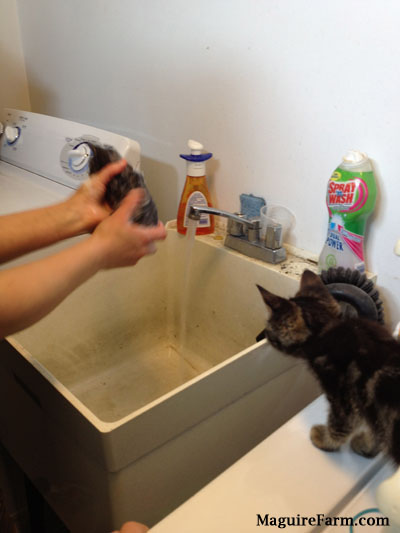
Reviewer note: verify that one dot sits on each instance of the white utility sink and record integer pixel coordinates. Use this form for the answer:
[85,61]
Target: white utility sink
[106,415]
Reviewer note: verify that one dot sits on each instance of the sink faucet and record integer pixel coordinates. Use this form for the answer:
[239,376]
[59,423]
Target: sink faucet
[243,235]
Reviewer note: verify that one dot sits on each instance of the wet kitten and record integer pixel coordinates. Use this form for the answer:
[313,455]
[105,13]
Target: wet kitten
[121,184]
[356,361]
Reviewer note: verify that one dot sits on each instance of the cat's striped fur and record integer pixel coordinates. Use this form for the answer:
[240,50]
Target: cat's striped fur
[356,361]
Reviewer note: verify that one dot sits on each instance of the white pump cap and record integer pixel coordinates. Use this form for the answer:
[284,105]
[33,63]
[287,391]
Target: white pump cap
[196,160]
[195,147]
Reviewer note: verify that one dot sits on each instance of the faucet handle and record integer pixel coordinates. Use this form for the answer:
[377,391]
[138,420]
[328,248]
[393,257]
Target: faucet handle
[236,228]
[274,235]
[253,234]
[249,229]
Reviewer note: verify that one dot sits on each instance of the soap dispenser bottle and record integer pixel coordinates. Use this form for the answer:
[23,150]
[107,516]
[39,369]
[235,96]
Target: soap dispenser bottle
[195,191]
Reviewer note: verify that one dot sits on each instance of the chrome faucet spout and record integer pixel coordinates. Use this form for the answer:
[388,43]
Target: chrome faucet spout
[195,211]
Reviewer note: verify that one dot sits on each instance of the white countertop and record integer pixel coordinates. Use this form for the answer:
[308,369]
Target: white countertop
[284,476]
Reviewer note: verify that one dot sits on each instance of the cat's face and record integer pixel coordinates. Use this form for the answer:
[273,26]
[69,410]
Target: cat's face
[292,322]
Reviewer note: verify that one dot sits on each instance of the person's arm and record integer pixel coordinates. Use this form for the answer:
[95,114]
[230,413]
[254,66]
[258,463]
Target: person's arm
[133,527]
[29,292]
[24,232]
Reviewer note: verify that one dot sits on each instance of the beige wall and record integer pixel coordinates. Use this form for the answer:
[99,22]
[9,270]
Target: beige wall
[13,81]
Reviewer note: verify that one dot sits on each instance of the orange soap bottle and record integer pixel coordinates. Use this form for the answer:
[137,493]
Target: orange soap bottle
[195,191]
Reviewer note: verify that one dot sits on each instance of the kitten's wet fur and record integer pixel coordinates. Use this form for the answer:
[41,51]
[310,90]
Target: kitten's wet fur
[356,361]
[122,183]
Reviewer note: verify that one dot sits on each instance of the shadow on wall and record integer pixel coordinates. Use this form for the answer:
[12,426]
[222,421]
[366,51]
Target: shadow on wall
[377,215]
[162,181]
[390,316]
[13,86]
[43,100]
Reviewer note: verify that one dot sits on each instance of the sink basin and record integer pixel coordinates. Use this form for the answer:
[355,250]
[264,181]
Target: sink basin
[115,415]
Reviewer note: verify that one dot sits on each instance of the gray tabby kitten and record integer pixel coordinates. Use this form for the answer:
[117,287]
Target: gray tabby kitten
[356,361]
[121,184]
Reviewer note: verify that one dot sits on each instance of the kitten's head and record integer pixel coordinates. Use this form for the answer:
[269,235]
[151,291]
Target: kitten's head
[294,321]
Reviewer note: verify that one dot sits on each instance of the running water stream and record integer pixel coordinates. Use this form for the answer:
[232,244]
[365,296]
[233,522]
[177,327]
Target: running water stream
[190,237]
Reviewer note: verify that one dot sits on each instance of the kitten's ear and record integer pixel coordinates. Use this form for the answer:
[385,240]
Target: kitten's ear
[309,280]
[312,285]
[274,302]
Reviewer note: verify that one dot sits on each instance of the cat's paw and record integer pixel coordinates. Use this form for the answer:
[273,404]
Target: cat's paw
[321,438]
[364,444]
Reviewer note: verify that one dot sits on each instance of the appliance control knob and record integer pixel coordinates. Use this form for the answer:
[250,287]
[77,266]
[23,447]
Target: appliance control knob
[78,157]
[12,134]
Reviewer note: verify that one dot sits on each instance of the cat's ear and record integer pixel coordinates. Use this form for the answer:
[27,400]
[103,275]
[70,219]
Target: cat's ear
[274,302]
[312,285]
[309,280]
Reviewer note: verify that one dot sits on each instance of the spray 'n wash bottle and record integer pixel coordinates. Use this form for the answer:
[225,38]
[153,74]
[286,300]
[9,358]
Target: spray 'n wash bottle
[195,191]
[350,199]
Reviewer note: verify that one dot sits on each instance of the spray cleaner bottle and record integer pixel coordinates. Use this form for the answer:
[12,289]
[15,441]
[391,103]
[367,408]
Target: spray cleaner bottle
[195,191]
[350,199]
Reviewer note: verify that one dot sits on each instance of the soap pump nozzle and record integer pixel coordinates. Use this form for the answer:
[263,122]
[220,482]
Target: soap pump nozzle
[196,159]
[195,147]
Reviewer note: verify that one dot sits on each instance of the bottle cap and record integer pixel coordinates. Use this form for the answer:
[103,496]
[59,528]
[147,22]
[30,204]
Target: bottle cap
[354,157]
[195,154]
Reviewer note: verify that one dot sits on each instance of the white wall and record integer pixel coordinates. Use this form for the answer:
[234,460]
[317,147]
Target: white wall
[13,81]
[277,89]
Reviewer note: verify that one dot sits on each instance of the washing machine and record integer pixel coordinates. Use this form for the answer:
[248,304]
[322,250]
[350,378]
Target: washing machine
[43,159]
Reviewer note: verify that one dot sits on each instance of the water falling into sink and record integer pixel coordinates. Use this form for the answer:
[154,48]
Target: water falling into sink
[190,237]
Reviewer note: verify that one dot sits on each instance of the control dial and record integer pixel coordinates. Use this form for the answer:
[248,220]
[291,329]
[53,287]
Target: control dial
[75,158]
[12,134]
[78,157]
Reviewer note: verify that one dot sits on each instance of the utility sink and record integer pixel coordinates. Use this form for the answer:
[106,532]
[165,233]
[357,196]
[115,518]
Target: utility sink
[113,418]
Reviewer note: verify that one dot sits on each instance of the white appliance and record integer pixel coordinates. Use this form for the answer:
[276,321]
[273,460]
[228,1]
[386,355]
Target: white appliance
[42,158]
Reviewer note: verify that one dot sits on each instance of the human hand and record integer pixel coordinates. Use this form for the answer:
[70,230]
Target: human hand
[88,201]
[122,243]
[133,527]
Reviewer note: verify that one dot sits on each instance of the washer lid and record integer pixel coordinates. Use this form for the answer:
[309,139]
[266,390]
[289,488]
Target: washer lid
[21,190]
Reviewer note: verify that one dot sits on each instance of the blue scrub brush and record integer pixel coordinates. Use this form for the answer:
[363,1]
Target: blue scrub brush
[251,205]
